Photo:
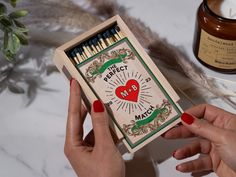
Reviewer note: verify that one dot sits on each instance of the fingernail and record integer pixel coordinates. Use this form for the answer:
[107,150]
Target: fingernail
[188,119]
[180,168]
[177,167]
[71,81]
[173,154]
[98,106]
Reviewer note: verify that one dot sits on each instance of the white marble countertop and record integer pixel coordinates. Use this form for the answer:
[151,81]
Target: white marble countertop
[32,138]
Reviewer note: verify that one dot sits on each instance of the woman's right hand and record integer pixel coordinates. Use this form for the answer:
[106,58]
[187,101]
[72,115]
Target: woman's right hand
[216,142]
[96,154]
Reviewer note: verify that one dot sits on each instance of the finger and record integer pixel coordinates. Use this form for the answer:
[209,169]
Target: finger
[178,132]
[202,128]
[201,164]
[201,173]
[208,112]
[114,136]
[74,128]
[90,141]
[101,125]
[83,111]
[195,147]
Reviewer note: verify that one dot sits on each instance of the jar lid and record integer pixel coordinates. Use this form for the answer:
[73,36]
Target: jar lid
[225,9]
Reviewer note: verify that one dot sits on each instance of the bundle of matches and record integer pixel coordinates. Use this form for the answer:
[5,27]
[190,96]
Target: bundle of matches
[96,44]
[111,65]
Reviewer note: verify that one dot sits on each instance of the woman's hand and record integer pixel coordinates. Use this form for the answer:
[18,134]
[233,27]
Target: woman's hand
[216,142]
[96,155]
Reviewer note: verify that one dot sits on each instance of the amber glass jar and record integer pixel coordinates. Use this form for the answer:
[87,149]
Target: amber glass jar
[215,35]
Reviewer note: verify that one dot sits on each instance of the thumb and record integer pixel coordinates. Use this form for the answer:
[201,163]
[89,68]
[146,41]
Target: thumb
[101,125]
[202,128]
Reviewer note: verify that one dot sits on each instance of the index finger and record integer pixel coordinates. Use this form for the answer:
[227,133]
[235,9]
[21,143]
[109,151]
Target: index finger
[74,128]
[208,112]
[179,131]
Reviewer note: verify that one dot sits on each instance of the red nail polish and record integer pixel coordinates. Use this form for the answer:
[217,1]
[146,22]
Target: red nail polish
[188,119]
[98,106]
[71,81]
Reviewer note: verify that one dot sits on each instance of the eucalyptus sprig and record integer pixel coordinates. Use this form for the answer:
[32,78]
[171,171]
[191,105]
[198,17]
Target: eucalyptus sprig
[13,33]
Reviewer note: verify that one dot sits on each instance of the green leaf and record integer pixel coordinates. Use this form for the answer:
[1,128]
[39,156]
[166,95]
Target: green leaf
[3,9]
[6,24]
[20,27]
[21,30]
[13,43]
[15,33]
[13,2]
[19,24]
[13,46]
[8,55]
[18,14]
[5,21]
[2,27]
[5,42]
[22,37]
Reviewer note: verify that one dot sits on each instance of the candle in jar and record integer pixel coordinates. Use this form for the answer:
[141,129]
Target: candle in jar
[215,38]
[223,8]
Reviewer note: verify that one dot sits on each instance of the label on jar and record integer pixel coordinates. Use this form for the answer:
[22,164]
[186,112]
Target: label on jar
[217,52]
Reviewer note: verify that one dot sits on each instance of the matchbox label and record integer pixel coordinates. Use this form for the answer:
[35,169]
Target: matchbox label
[138,103]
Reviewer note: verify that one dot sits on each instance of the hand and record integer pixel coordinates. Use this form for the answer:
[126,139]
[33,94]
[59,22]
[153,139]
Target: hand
[96,155]
[216,142]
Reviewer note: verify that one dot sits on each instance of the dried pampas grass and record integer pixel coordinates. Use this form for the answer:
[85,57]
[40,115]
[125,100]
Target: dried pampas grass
[172,61]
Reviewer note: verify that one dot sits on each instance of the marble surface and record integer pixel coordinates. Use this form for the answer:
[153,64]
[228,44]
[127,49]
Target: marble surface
[32,138]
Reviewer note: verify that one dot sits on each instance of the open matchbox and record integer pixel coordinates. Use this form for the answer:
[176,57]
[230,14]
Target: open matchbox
[111,65]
